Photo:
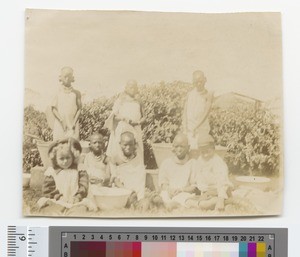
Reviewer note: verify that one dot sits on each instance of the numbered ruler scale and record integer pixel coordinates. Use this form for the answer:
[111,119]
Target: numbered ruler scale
[146,242]
[25,241]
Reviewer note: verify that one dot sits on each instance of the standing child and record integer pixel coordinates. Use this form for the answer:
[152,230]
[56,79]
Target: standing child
[96,163]
[126,115]
[196,110]
[211,176]
[175,173]
[66,107]
[64,185]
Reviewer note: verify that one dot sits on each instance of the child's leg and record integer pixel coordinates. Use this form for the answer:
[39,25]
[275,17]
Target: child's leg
[78,210]
[132,200]
[52,209]
[208,204]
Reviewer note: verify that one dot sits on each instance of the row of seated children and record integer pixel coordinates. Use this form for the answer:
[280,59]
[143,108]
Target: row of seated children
[72,179]
[200,183]
[70,182]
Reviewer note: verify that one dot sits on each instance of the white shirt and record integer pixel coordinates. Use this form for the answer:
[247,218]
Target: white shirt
[175,174]
[66,182]
[212,175]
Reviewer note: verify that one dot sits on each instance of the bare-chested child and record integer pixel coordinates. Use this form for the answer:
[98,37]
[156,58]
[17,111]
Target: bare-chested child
[211,177]
[66,107]
[96,163]
[129,171]
[175,174]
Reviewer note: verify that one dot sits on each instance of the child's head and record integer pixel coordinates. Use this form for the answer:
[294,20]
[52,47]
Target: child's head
[128,144]
[65,153]
[181,146]
[66,76]
[199,80]
[97,143]
[206,147]
[131,88]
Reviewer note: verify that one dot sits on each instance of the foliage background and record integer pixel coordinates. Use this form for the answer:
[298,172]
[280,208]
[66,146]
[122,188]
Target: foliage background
[251,135]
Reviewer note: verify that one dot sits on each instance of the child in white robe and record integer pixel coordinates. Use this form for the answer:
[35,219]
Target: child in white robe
[128,171]
[211,177]
[66,107]
[96,164]
[126,115]
[175,173]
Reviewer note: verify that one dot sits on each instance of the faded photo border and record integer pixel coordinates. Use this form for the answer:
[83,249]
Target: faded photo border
[146,114]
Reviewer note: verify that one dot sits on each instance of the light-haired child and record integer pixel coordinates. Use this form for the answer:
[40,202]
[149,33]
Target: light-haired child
[211,177]
[66,107]
[64,186]
[175,174]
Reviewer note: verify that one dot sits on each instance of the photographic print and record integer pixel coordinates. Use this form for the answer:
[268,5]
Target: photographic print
[144,114]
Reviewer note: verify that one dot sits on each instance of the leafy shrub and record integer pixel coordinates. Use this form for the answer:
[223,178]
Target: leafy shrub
[250,135]
[35,127]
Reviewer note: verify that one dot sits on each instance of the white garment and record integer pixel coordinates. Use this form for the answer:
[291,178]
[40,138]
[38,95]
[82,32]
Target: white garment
[174,174]
[133,175]
[66,104]
[126,108]
[195,106]
[212,175]
[66,182]
[95,167]
[177,176]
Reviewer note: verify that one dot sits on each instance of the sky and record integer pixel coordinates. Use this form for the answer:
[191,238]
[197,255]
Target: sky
[237,52]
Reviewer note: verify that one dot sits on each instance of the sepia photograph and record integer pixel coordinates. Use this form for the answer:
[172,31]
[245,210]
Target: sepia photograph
[149,114]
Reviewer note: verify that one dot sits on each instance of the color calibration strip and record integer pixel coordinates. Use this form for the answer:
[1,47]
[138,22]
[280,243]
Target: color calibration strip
[167,249]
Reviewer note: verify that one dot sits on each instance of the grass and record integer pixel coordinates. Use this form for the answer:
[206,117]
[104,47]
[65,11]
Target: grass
[235,207]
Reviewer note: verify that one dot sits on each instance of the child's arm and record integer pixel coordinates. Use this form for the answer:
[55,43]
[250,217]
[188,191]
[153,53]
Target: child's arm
[56,114]
[206,111]
[189,189]
[49,188]
[107,173]
[58,117]
[83,185]
[79,107]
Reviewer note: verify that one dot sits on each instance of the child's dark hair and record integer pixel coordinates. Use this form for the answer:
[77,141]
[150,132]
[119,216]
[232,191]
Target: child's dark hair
[74,147]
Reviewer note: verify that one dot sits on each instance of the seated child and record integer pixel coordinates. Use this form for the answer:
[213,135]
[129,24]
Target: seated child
[129,171]
[211,176]
[96,163]
[175,173]
[64,185]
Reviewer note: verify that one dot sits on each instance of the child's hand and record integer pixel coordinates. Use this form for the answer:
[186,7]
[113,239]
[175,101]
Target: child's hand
[64,125]
[173,192]
[75,200]
[118,183]
[95,180]
[57,196]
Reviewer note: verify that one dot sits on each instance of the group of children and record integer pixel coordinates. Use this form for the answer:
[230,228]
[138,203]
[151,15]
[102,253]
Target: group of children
[185,180]
[73,178]
[201,183]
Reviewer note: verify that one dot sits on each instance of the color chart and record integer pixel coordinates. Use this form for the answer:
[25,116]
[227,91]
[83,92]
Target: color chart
[167,242]
[27,241]
[167,249]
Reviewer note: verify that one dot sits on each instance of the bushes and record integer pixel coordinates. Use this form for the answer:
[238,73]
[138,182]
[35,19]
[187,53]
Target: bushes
[251,136]
[35,126]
